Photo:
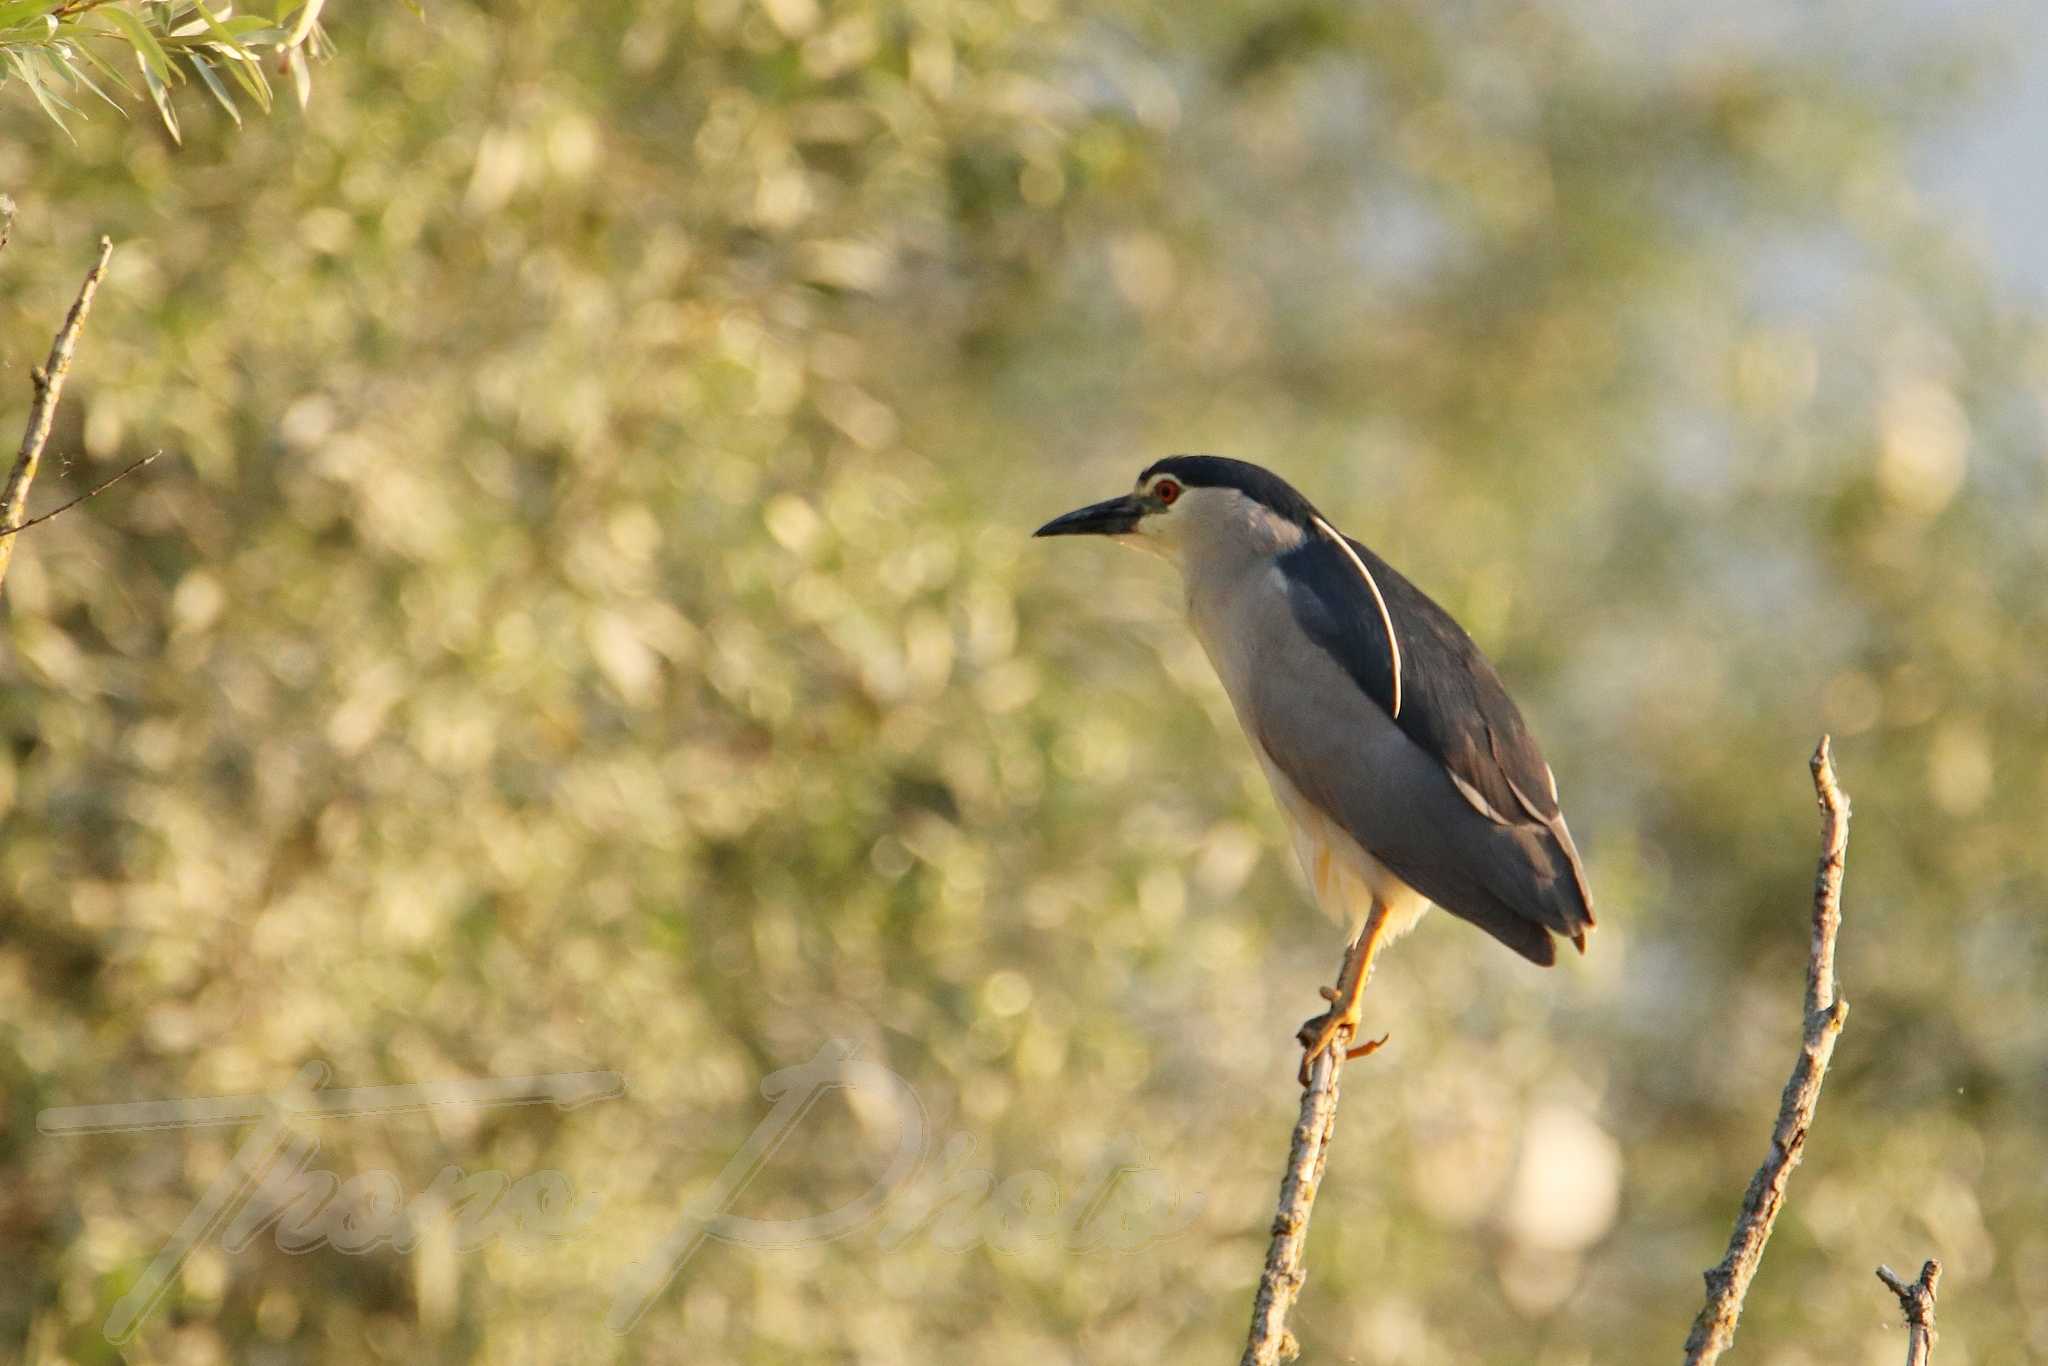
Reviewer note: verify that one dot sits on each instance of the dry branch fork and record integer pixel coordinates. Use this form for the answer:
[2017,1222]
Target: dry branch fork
[48,379]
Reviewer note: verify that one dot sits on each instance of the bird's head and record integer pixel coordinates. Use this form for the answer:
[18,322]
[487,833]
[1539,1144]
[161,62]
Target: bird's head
[1197,506]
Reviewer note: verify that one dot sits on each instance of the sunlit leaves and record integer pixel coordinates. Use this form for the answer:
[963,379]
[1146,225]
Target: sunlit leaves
[52,47]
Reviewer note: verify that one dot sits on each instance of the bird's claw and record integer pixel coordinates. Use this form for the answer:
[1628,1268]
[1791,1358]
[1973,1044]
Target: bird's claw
[1319,1035]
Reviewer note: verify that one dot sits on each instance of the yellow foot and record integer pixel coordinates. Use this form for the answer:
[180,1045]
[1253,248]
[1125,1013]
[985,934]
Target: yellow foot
[1319,1035]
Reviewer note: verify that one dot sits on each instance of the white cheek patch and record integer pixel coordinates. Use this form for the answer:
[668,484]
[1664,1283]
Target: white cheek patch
[1154,537]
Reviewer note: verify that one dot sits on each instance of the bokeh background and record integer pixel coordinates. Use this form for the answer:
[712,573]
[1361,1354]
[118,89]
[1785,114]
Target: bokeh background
[585,619]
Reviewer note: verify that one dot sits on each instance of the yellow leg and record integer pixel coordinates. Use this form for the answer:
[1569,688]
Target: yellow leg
[1338,1025]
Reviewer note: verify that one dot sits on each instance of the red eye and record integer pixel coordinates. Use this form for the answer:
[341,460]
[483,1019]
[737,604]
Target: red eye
[1166,491]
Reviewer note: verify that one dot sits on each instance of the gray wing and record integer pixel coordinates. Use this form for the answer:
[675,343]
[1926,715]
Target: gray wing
[1453,795]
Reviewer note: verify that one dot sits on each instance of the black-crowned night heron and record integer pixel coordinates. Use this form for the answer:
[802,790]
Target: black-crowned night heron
[1405,771]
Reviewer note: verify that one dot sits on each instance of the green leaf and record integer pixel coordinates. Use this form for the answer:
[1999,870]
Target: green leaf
[19,13]
[253,30]
[212,81]
[248,73]
[99,63]
[78,72]
[148,51]
[160,92]
[304,21]
[51,102]
[242,64]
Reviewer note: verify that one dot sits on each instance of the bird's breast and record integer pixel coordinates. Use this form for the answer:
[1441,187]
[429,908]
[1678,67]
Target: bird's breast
[1246,628]
[1235,617]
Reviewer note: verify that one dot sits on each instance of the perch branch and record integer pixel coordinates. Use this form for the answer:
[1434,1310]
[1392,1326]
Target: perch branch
[48,379]
[1728,1282]
[1916,1301]
[1270,1341]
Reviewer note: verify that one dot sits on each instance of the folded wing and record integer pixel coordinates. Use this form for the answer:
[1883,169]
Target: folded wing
[1454,796]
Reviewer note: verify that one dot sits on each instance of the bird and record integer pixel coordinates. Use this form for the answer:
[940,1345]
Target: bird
[1405,772]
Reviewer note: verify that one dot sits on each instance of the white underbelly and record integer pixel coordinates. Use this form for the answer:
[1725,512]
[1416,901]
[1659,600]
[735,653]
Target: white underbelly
[1345,878]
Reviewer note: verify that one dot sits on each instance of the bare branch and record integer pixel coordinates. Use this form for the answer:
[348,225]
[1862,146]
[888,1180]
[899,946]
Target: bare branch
[96,489]
[1270,1341]
[49,384]
[1728,1282]
[1827,884]
[1916,1301]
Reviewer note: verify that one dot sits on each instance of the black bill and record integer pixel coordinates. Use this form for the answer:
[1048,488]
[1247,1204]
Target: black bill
[1112,517]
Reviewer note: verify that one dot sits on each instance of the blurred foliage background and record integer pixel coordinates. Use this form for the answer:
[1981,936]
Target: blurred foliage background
[585,619]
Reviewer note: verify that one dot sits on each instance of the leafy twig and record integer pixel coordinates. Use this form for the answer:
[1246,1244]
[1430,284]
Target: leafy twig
[48,379]
[55,48]
[1916,1301]
[1728,1282]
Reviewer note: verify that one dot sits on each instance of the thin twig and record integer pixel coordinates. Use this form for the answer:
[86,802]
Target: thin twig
[1916,1302]
[100,487]
[71,9]
[49,384]
[1270,1341]
[1727,1283]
